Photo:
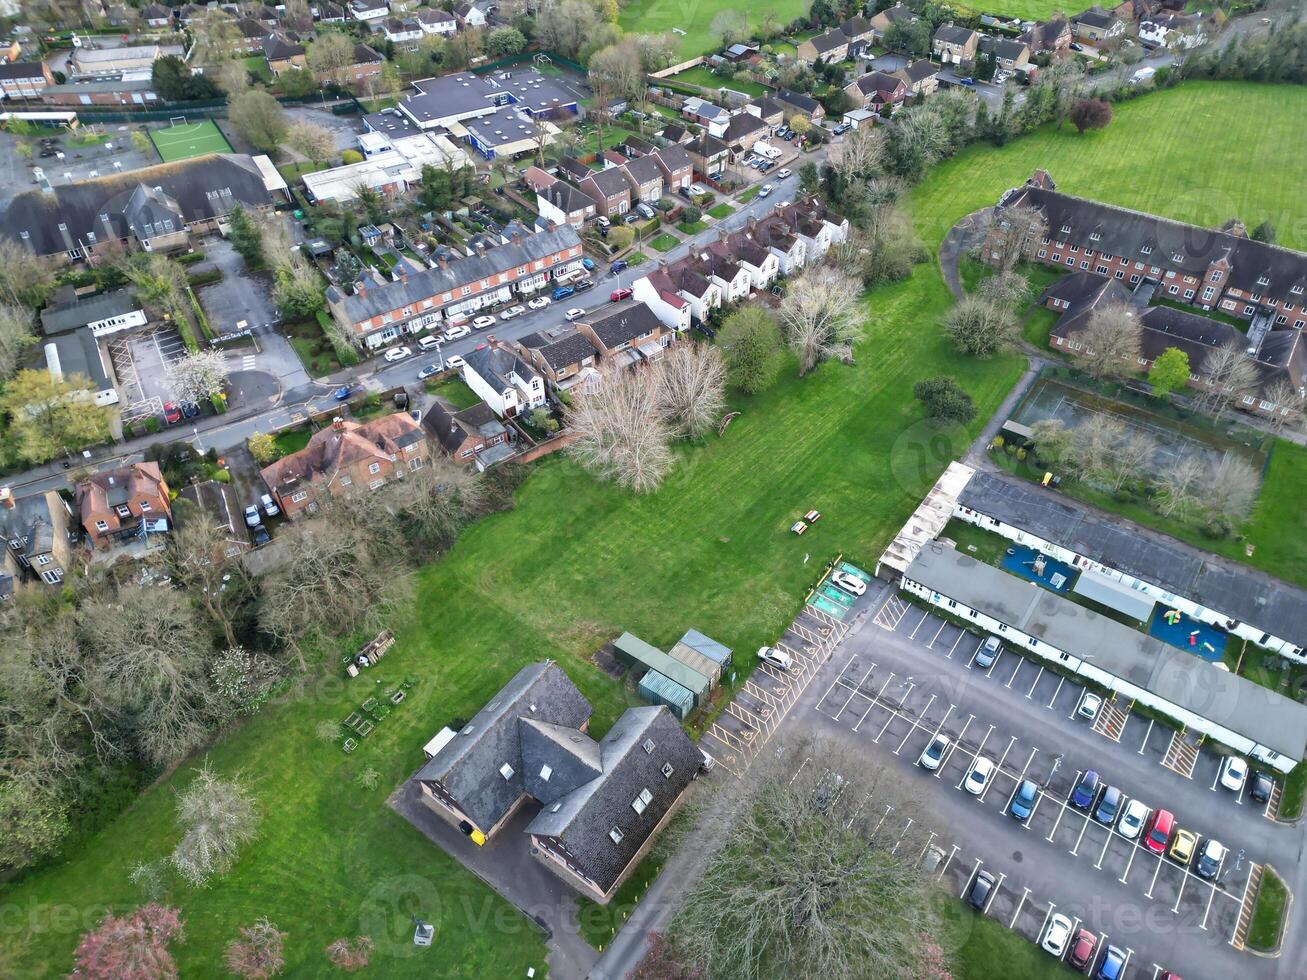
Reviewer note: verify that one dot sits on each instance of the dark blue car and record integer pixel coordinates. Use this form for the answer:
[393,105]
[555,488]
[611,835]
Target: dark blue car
[1109,806]
[562,292]
[1023,803]
[1112,965]
[618,266]
[1083,795]
[341,393]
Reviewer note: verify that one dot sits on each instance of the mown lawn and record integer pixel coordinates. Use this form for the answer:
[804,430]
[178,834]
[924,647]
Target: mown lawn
[1264,930]
[700,75]
[576,562]
[656,16]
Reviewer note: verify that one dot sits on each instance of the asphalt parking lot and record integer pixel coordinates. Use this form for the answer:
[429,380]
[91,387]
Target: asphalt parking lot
[903,675]
[140,360]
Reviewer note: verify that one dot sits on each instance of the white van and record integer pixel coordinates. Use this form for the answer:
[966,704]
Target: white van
[766,150]
[429,341]
[1142,75]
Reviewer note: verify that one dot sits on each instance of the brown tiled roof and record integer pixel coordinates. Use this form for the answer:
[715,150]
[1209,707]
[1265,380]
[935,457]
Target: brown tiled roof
[342,444]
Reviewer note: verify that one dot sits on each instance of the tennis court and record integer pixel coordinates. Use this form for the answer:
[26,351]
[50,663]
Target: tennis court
[182,140]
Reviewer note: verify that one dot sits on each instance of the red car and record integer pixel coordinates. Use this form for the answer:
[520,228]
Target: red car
[617,295]
[171,413]
[1159,830]
[1081,953]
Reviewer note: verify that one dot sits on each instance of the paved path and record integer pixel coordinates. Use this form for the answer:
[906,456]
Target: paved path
[961,238]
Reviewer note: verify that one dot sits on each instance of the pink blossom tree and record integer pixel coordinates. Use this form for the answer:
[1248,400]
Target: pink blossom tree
[133,947]
[350,954]
[257,954]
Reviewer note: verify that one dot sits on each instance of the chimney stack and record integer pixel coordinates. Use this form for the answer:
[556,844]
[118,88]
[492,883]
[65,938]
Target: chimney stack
[7,498]
[338,424]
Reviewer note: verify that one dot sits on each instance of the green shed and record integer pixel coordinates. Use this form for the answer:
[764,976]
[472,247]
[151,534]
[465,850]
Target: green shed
[658,688]
[632,650]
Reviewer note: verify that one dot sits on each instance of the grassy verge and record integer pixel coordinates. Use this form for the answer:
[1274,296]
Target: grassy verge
[691,227]
[721,210]
[749,194]
[1268,911]
[455,391]
[293,440]
[664,242]
[1038,326]
[981,948]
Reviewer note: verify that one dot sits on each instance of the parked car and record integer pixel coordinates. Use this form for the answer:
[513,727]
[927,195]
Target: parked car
[588,264]
[1234,771]
[933,754]
[1077,46]
[269,505]
[583,284]
[1089,705]
[511,312]
[171,413]
[430,341]
[1023,801]
[774,657]
[617,295]
[252,515]
[979,891]
[398,353]
[261,535]
[981,772]
[575,313]
[562,292]
[1210,858]
[988,652]
[827,791]
[1083,795]
[1057,936]
[968,82]
[619,266]
[849,583]
[427,372]
[341,393]
[841,129]
[481,322]
[1109,806]
[1262,788]
[706,330]
[455,333]
[1082,949]
[631,217]
[1159,830]
[1182,846]
[932,858]
[1132,819]
[539,303]
[698,190]
[645,211]
[454,362]
[602,222]
[1112,966]
[765,190]
[783,173]
[189,410]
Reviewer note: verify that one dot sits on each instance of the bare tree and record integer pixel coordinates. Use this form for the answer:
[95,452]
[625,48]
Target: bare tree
[621,431]
[198,559]
[1227,374]
[1093,442]
[313,141]
[160,282]
[981,327]
[350,954]
[197,377]
[838,899]
[242,680]
[1229,490]
[822,315]
[257,954]
[1129,458]
[15,337]
[861,155]
[133,947]
[219,819]
[1010,232]
[259,117]
[1179,484]
[1288,401]
[1006,288]
[26,279]
[1112,341]
[434,503]
[693,380]
[329,55]
[729,26]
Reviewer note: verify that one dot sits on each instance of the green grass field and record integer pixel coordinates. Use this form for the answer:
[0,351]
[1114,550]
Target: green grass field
[577,561]
[656,16]
[1268,912]
[191,139]
[702,76]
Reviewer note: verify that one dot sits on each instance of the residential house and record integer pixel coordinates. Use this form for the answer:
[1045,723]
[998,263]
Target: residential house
[756,259]
[717,263]
[457,286]
[367,64]
[712,117]
[565,204]
[116,505]
[216,503]
[675,133]
[625,334]
[153,208]
[252,34]
[600,804]
[828,48]
[610,191]
[1008,54]
[897,14]
[470,14]
[742,132]
[677,167]
[740,54]
[1096,25]
[645,178]
[404,33]
[709,155]
[1048,37]
[921,77]
[102,313]
[433,20]
[503,380]
[953,45]
[37,532]
[1208,268]
[24,79]
[347,455]
[678,294]
[536,179]
[564,356]
[878,90]
[768,110]
[797,104]
[1172,29]
[283,54]
[369,11]
[860,34]
[471,435]
[157,15]
[1138,10]
[330,12]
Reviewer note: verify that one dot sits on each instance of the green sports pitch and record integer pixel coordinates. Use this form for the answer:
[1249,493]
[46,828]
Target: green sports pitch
[183,140]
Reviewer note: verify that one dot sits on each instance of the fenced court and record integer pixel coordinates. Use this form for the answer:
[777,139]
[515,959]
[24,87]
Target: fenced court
[181,140]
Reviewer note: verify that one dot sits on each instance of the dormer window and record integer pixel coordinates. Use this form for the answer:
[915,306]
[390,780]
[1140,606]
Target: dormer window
[1146,250]
[1177,257]
[1296,290]
[506,771]
[1094,236]
[1066,229]
[1263,280]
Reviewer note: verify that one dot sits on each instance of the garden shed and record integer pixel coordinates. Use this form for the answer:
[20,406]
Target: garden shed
[634,651]
[658,688]
[709,647]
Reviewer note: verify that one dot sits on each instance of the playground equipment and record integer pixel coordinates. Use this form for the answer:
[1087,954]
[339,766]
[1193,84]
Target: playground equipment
[1172,616]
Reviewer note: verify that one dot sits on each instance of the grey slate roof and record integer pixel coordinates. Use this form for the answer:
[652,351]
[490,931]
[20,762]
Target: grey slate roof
[572,759]
[643,170]
[565,197]
[611,182]
[16,70]
[78,353]
[741,125]
[29,521]
[1003,47]
[1231,589]
[797,100]
[451,428]
[622,324]
[829,41]
[277,47]
[70,315]
[952,34]
[920,70]
[494,364]
[1095,17]
[563,351]
[674,158]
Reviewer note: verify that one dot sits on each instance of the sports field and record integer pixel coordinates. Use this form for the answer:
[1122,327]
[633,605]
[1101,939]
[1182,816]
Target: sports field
[578,561]
[190,139]
[695,19]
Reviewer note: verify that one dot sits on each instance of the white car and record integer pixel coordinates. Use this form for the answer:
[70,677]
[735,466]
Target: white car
[1233,773]
[782,204]
[849,583]
[1089,705]
[602,222]
[982,771]
[697,189]
[398,354]
[454,333]
[539,303]
[933,754]
[1132,819]
[1057,935]
[575,313]
[783,173]
[777,658]
[481,322]
[511,312]
[252,515]
[454,362]
[765,191]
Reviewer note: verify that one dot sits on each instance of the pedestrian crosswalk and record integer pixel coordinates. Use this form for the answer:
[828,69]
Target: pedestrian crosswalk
[247,362]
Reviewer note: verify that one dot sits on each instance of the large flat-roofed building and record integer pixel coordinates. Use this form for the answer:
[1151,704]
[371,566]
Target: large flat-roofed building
[447,99]
[91,62]
[1230,709]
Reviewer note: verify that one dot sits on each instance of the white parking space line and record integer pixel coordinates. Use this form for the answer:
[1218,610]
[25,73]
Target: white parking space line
[924,616]
[1008,685]
[1061,812]
[853,693]
[944,866]
[967,884]
[888,809]
[1025,893]
[837,681]
[893,713]
[931,644]
[1211,894]
[1125,965]
[938,728]
[976,756]
[1102,949]
[1031,693]
[1075,850]
[1130,861]
[1144,744]
[1176,907]
[989,899]
[1060,682]
[1098,865]
[1033,753]
[1025,824]
[997,657]
[953,746]
[906,827]
[1216,779]
[853,816]
[955,644]
[1047,915]
[799,770]
[916,723]
[999,768]
[874,701]
[1156,871]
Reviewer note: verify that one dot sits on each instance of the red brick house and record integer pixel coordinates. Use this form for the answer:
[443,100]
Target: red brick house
[119,504]
[876,90]
[473,435]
